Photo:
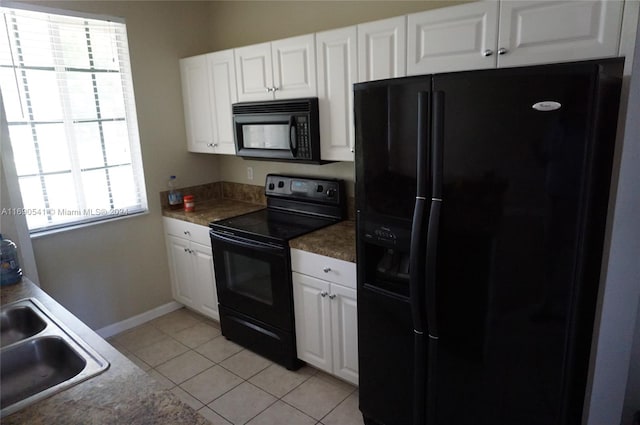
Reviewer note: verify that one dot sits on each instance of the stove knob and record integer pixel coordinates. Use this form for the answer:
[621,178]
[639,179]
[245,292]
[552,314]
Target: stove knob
[272,186]
[331,193]
[281,184]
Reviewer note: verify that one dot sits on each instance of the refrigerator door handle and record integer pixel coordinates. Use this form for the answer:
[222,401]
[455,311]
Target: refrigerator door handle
[437,144]
[417,246]
[437,141]
[416,257]
[437,138]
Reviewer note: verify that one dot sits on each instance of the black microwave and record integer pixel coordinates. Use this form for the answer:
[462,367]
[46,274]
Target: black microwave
[278,130]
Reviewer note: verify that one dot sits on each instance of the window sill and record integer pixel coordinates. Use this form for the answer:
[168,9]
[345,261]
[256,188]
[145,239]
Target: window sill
[75,226]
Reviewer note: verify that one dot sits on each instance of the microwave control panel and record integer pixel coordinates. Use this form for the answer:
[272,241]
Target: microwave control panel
[302,138]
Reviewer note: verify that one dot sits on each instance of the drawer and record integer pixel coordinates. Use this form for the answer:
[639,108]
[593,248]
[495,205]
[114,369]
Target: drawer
[184,229]
[325,268]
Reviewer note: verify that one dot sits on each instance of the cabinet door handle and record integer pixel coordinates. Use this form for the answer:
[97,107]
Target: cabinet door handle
[186,232]
[487,52]
[210,145]
[332,296]
[324,294]
[186,250]
[502,51]
[276,88]
[326,269]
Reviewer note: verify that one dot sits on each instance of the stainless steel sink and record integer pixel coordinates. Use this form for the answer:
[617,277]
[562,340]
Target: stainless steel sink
[19,322]
[40,356]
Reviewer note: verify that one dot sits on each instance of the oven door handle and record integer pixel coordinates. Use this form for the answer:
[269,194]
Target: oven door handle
[247,243]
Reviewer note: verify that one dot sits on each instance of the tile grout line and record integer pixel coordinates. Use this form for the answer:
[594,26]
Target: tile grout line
[339,403]
[215,363]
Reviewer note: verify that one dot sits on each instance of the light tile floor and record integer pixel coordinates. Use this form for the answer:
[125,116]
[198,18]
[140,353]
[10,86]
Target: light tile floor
[227,384]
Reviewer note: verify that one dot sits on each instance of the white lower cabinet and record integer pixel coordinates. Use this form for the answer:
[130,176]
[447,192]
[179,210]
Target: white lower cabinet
[326,313]
[193,279]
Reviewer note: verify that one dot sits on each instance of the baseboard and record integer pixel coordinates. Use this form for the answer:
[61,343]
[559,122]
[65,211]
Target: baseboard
[138,320]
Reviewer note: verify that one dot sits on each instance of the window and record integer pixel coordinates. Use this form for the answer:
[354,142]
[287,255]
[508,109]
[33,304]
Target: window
[68,96]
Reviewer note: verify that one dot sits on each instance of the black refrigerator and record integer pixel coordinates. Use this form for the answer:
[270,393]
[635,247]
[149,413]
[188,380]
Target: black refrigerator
[481,203]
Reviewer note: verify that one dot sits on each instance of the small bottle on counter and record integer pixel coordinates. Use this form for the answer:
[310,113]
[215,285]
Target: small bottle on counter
[10,271]
[189,204]
[175,197]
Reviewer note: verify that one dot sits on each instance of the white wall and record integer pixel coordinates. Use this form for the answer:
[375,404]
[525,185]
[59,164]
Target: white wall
[632,398]
[612,361]
[13,226]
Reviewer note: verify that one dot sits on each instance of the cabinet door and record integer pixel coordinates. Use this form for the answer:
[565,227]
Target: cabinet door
[180,266]
[534,32]
[204,281]
[453,38]
[254,72]
[197,108]
[312,316]
[382,49]
[344,325]
[223,95]
[337,71]
[294,67]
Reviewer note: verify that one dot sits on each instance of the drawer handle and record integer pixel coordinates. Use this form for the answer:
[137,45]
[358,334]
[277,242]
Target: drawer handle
[186,232]
[324,294]
[326,269]
[332,296]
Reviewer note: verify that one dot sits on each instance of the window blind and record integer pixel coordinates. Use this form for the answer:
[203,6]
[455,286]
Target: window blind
[68,96]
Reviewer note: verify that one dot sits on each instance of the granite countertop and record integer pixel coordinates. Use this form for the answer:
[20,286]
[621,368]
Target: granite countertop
[123,394]
[337,241]
[213,210]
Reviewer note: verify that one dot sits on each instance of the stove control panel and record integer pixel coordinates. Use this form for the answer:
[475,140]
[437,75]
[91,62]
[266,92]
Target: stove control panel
[329,191]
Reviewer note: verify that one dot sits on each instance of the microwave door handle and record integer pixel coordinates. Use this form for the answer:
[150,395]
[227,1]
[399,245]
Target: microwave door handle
[293,137]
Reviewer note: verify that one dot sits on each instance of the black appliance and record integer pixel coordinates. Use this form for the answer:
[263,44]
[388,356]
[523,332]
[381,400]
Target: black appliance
[479,262]
[253,264]
[279,130]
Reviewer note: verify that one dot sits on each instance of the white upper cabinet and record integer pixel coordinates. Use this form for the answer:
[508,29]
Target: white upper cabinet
[337,71]
[282,69]
[294,67]
[254,72]
[197,108]
[222,94]
[454,38]
[208,90]
[382,51]
[533,32]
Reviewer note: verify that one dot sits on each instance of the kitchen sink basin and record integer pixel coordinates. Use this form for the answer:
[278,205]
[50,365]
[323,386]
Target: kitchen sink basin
[36,365]
[40,356]
[18,323]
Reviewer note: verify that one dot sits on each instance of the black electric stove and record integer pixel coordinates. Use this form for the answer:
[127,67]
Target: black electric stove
[253,264]
[271,225]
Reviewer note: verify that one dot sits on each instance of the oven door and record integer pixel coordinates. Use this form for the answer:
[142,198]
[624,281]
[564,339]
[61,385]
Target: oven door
[254,278]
